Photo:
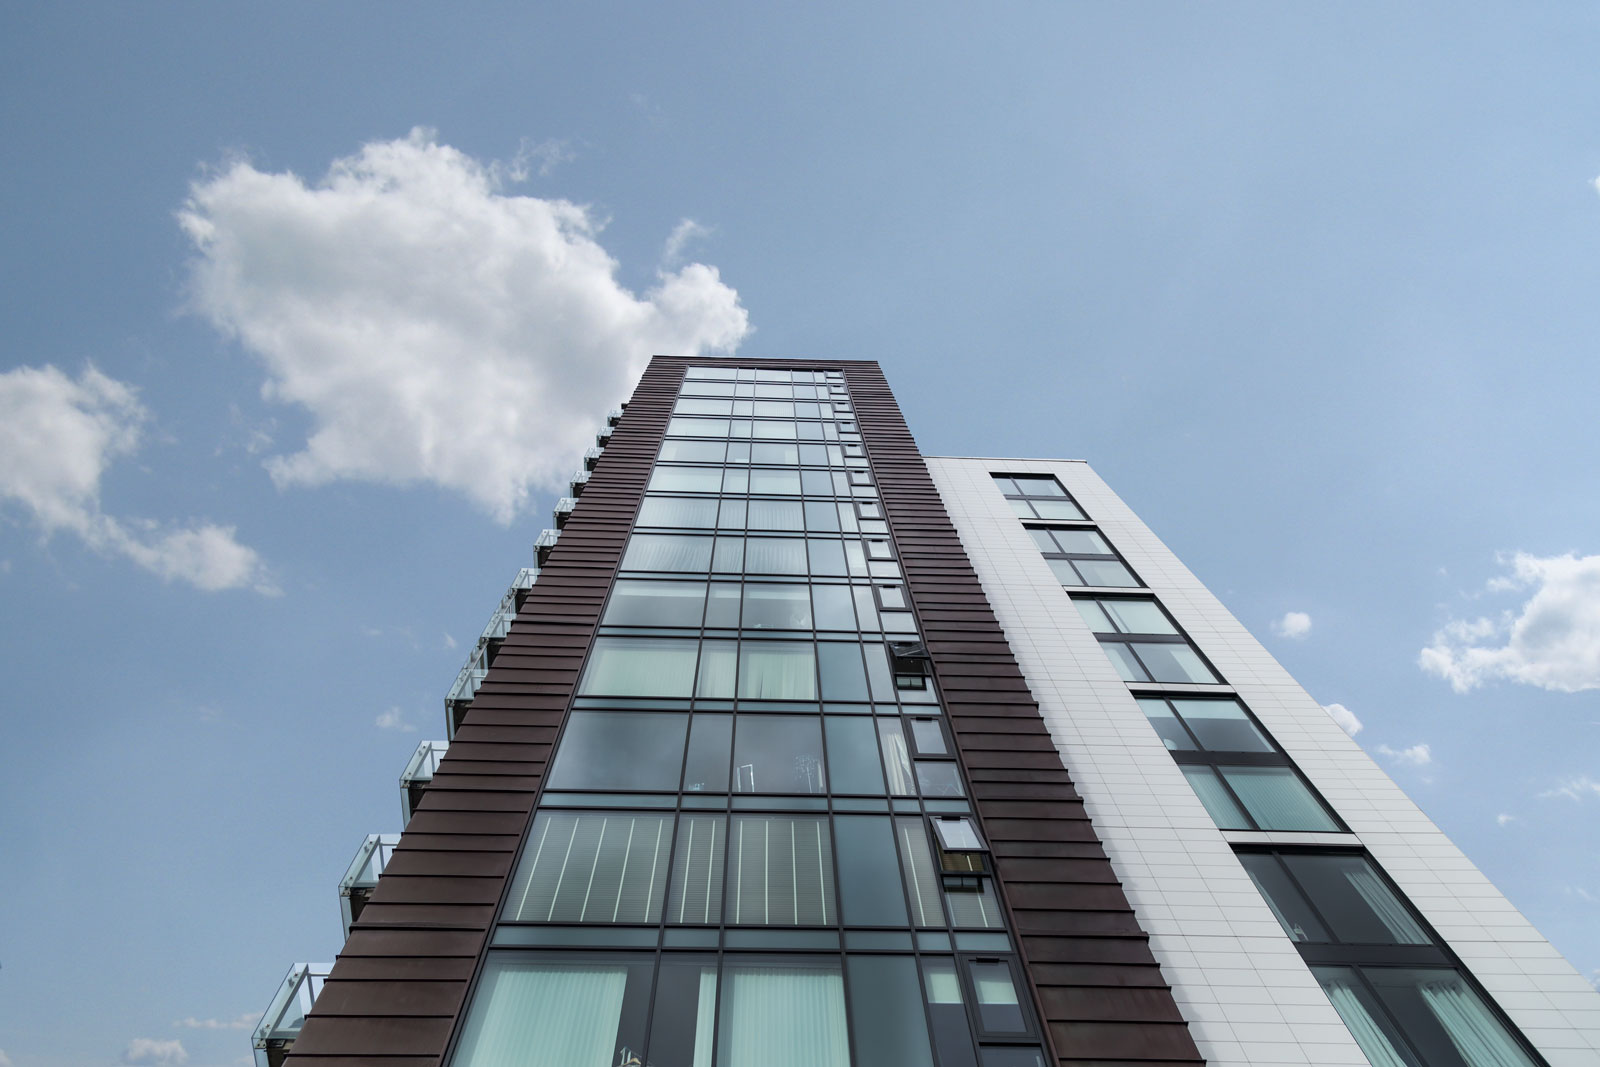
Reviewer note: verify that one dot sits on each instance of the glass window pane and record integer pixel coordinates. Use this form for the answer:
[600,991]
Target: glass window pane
[684,1018]
[738,452]
[732,516]
[775,431]
[776,515]
[916,867]
[869,872]
[855,558]
[686,480]
[1084,542]
[1367,1022]
[722,609]
[729,555]
[1043,539]
[620,750]
[697,863]
[1288,905]
[592,868]
[777,607]
[842,676]
[1169,662]
[667,552]
[682,511]
[1222,726]
[1278,799]
[736,480]
[776,409]
[1106,572]
[1356,901]
[896,758]
[879,678]
[1168,728]
[974,907]
[702,406]
[822,516]
[781,1012]
[777,670]
[680,427]
[780,872]
[636,603]
[778,754]
[705,769]
[548,1013]
[827,557]
[767,480]
[1063,571]
[1012,1056]
[673,451]
[929,737]
[775,452]
[999,1008]
[1038,485]
[1006,485]
[938,779]
[1094,617]
[1138,617]
[1444,1018]
[1224,811]
[776,555]
[866,610]
[1128,667]
[817,483]
[893,596]
[639,667]
[847,517]
[1022,508]
[718,662]
[853,765]
[1057,509]
[957,833]
[832,604]
[886,1008]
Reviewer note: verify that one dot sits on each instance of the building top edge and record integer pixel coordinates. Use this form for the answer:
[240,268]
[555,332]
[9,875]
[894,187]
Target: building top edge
[757,360]
[1013,459]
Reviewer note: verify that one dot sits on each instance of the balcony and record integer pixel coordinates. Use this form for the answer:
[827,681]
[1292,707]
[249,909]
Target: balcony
[362,876]
[592,457]
[579,480]
[613,416]
[603,438]
[476,669]
[544,543]
[564,508]
[280,1025]
[418,774]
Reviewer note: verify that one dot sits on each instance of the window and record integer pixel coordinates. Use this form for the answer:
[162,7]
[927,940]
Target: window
[1333,898]
[1142,643]
[778,754]
[784,1011]
[556,1010]
[780,871]
[639,667]
[605,867]
[1037,496]
[640,750]
[636,603]
[1081,557]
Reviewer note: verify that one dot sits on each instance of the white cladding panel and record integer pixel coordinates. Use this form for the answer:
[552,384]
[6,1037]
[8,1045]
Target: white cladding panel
[1238,979]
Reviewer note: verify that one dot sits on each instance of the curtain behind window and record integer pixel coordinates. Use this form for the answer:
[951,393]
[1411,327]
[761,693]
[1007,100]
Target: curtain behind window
[782,1016]
[544,1015]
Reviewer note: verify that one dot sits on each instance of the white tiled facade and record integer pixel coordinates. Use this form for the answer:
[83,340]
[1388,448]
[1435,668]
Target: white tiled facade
[1241,983]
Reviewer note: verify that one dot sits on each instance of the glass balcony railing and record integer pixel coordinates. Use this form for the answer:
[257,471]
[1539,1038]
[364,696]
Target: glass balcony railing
[564,508]
[544,543]
[613,416]
[603,438]
[592,457]
[579,480]
[362,876]
[280,1025]
[476,669]
[419,772]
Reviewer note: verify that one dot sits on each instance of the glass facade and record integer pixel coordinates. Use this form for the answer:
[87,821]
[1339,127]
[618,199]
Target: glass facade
[754,818]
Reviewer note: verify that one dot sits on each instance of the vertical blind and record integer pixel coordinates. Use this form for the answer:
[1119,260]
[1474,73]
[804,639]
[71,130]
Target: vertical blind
[780,871]
[536,1014]
[592,868]
[782,1015]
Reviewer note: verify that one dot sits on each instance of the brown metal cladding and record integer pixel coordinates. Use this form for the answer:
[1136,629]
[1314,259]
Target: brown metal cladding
[1094,980]
[397,990]
[396,993]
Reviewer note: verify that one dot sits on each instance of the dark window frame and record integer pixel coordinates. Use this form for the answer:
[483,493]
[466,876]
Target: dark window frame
[1096,557]
[1129,638]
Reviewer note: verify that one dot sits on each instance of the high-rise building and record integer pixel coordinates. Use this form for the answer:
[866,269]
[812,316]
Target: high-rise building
[803,750]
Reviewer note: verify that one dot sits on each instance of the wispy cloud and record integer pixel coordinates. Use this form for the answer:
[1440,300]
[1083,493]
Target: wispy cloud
[238,1022]
[1551,641]
[1582,787]
[1344,717]
[395,719]
[684,232]
[1504,820]
[538,157]
[1294,624]
[58,436]
[392,298]
[1419,755]
[153,1052]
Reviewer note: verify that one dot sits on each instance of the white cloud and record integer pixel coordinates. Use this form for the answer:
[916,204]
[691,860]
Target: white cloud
[155,1053]
[1504,820]
[5,1061]
[1344,717]
[394,719]
[1552,641]
[435,329]
[1295,624]
[449,642]
[1580,788]
[685,231]
[538,157]
[1415,756]
[239,1022]
[57,438]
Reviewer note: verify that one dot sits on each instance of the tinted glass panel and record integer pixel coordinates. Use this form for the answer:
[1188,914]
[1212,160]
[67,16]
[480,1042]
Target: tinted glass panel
[557,1011]
[592,868]
[1106,572]
[939,779]
[1445,1019]
[1084,542]
[896,758]
[639,667]
[999,1008]
[636,603]
[1368,1023]
[620,750]
[886,1007]
[842,675]
[1288,905]
[1224,811]
[780,871]
[1222,726]
[777,607]
[853,765]
[1138,617]
[1169,662]
[1122,658]
[781,1012]
[832,604]
[1056,509]
[705,768]
[667,552]
[686,480]
[1356,901]
[1277,799]
[916,867]
[718,665]
[778,754]
[697,869]
[869,871]
[1170,730]
[776,515]
[777,670]
[776,555]
[929,737]
[683,1021]
[684,511]
[1062,569]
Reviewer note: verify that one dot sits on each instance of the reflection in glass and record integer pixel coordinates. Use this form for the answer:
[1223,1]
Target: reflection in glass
[678,511]
[853,765]
[637,603]
[916,867]
[1168,728]
[886,1007]
[776,515]
[938,779]
[777,670]
[1221,806]
[869,871]
[684,1019]
[1356,901]
[776,555]
[832,604]
[640,750]
[592,868]
[840,666]
[896,758]
[999,1009]
[777,607]
[686,480]
[705,768]
[1365,1020]
[667,552]
[1222,726]
[1105,572]
[778,754]
[1277,799]
[1288,905]
[554,1012]
[1445,1018]
[639,667]
[1171,662]
[1138,617]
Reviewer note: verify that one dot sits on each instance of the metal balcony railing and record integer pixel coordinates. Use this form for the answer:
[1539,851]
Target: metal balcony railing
[280,1024]
[361,878]
[592,457]
[579,480]
[419,772]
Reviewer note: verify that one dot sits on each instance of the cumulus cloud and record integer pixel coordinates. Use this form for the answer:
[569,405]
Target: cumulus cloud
[435,329]
[1551,641]
[1415,756]
[58,435]
[239,1022]
[1344,717]
[1580,788]
[395,719]
[151,1052]
[1294,624]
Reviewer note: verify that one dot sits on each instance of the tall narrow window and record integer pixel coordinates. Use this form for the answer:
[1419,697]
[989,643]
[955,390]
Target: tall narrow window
[782,1011]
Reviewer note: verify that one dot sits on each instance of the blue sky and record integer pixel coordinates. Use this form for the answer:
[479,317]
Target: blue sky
[288,390]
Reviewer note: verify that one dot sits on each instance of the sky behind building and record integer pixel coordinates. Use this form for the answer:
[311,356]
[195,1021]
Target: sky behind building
[309,311]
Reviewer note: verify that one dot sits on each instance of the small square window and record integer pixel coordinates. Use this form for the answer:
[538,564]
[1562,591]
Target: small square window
[868,509]
[958,833]
[860,478]
[879,550]
[891,597]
